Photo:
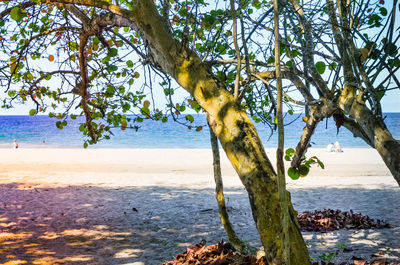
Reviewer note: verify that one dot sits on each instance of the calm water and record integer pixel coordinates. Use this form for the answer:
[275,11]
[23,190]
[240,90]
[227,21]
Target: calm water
[32,131]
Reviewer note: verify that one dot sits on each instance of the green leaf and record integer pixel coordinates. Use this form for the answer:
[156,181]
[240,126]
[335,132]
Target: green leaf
[390,49]
[145,111]
[73,116]
[383,11]
[17,14]
[303,170]
[11,93]
[295,53]
[320,164]
[164,119]
[59,125]
[189,118]
[287,158]
[110,91]
[332,66]
[256,119]
[96,40]
[85,145]
[113,52]
[320,67]
[395,62]
[112,68]
[290,112]
[289,152]
[380,93]
[32,112]
[293,174]
[129,64]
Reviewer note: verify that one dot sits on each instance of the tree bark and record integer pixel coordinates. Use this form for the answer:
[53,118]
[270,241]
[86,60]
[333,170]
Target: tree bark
[219,194]
[227,119]
[285,236]
[374,128]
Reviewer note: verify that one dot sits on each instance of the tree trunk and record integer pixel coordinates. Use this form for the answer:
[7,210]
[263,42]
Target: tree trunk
[219,194]
[233,128]
[373,128]
[285,236]
[229,122]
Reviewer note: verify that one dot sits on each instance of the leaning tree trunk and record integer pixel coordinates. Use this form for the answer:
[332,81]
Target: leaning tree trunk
[373,128]
[227,119]
[233,128]
[370,127]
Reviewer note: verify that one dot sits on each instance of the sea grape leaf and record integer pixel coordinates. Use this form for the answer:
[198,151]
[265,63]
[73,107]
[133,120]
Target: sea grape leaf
[390,49]
[129,63]
[332,66]
[289,152]
[17,14]
[293,173]
[321,66]
[189,118]
[303,170]
[113,52]
[380,93]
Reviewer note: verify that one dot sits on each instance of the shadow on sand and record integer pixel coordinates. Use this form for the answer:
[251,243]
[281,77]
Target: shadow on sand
[147,225]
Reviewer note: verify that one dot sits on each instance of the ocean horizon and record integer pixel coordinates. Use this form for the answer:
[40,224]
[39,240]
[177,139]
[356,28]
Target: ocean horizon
[32,131]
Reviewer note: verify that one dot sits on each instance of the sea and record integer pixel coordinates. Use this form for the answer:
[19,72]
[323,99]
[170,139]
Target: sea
[41,132]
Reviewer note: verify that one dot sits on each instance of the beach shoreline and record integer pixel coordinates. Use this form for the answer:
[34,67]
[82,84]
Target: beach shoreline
[143,206]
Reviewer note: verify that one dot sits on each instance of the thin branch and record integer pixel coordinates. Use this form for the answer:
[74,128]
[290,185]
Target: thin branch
[238,57]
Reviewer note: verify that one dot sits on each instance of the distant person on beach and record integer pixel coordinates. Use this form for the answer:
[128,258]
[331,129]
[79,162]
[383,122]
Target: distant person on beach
[15,144]
[330,148]
[44,142]
[338,148]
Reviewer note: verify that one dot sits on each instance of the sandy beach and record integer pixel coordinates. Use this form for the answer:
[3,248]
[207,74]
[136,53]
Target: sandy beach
[144,206]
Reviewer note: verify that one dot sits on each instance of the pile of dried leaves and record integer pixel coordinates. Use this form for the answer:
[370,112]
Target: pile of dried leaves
[219,254]
[329,220]
[359,262]
[317,221]
[224,254]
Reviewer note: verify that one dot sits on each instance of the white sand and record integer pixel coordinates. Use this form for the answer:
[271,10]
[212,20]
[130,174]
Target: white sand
[74,206]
